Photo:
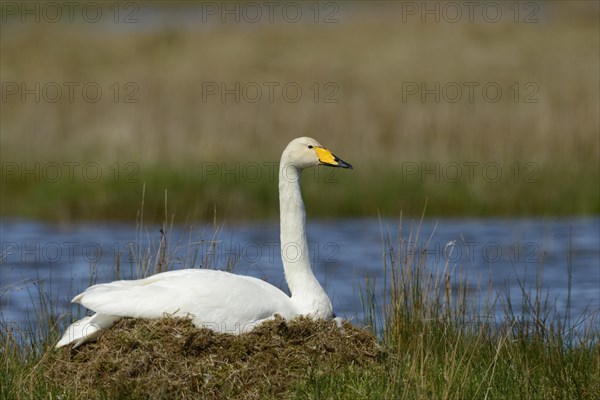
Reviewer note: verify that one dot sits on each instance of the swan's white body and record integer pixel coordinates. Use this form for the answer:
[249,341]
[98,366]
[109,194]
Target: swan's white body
[220,300]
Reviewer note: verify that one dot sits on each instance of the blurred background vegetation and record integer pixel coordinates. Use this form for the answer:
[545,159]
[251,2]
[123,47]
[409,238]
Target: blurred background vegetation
[168,118]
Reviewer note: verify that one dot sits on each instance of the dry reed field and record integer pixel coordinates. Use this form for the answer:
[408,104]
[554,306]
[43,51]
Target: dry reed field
[474,115]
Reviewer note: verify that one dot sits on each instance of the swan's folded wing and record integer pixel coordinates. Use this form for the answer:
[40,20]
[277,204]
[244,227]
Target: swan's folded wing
[139,301]
[206,294]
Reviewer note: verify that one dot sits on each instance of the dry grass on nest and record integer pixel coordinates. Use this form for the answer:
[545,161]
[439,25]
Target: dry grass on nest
[171,357]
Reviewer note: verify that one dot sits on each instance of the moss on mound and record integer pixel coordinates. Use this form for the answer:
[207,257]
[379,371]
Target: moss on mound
[172,358]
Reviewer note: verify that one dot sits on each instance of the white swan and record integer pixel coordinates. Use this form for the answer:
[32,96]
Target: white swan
[220,300]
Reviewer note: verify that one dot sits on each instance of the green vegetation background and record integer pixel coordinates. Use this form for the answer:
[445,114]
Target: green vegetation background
[176,137]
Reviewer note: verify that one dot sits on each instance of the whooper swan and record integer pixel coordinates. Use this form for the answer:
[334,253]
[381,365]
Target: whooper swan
[220,300]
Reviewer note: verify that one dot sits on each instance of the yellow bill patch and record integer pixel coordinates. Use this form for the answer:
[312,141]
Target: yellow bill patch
[325,156]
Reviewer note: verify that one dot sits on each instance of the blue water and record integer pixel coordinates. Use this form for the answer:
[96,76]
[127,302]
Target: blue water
[508,253]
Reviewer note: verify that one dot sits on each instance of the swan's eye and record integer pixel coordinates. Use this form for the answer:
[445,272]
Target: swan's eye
[310,146]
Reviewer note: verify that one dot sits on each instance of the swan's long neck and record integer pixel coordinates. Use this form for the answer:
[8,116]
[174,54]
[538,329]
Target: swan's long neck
[306,291]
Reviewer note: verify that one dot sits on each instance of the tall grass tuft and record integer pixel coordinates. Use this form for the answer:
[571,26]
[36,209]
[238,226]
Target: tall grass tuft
[446,344]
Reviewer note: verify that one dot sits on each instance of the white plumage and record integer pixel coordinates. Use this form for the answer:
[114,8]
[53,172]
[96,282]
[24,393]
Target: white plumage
[220,300]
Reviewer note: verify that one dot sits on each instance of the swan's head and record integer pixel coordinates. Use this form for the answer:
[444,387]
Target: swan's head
[306,152]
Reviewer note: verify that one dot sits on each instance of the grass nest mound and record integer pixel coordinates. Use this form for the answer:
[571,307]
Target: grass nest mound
[170,357]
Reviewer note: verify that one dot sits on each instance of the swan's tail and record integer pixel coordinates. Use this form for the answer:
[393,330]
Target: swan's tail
[86,329]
